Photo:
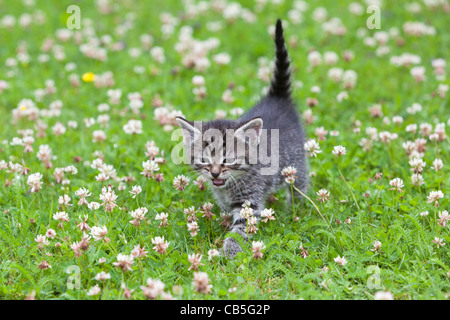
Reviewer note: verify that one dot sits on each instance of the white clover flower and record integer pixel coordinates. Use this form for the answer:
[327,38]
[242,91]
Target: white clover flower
[102,276]
[42,240]
[61,216]
[139,213]
[161,216]
[314,58]
[340,261]
[201,283]
[98,233]
[50,233]
[288,171]
[154,288]
[124,262]
[135,190]
[424,214]
[268,214]
[198,80]
[193,228]
[417,179]
[94,205]
[396,184]
[434,196]
[212,254]
[312,147]
[95,290]
[83,192]
[383,295]
[64,200]
[257,247]
[180,182]
[324,195]
[376,246]
[133,127]
[160,244]
[339,151]
[34,181]
[246,212]
[437,165]
[439,242]
[222,58]
[417,165]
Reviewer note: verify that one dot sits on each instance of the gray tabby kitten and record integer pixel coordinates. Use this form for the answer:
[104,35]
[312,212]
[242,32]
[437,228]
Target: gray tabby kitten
[234,177]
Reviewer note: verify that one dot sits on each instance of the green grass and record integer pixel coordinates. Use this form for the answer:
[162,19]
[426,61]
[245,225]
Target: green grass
[409,265]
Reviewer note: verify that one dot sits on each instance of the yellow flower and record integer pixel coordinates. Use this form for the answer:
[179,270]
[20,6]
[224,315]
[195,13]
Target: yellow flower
[88,77]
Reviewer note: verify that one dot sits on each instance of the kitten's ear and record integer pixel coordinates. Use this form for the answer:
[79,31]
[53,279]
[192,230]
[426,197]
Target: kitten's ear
[190,132]
[251,129]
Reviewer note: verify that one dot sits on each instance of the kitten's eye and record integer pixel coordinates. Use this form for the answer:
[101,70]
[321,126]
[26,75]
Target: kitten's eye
[229,161]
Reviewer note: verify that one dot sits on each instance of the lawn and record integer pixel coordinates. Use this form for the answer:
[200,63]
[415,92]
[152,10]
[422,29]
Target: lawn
[86,165]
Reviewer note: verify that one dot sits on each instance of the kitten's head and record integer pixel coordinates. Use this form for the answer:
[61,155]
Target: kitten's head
[221,150]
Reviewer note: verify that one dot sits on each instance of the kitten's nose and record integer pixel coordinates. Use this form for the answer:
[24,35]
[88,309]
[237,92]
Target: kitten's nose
[215,172]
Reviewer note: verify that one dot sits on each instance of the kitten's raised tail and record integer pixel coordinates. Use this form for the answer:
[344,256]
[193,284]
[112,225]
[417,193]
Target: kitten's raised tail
[281,80]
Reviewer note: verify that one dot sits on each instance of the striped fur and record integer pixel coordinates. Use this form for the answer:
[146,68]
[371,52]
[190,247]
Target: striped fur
[281,80]
[245,182]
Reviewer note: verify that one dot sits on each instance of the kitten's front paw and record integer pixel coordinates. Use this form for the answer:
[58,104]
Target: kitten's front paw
[230,248]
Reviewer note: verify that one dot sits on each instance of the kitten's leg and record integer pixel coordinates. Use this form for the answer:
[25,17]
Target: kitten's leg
[230,246]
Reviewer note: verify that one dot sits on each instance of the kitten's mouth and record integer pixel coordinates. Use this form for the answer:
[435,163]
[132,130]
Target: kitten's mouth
[218,182]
